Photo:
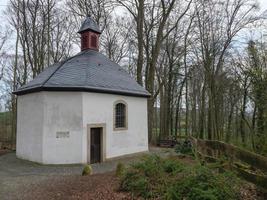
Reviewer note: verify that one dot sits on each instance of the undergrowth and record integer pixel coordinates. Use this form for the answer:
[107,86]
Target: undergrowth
[184,147]
[168,178]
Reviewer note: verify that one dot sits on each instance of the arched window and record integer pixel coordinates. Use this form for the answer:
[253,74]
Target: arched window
[120,115]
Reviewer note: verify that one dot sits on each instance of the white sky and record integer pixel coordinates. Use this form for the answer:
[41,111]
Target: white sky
[4,3]
[263,4]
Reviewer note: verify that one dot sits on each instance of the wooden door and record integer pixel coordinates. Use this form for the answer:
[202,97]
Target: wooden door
[95,149]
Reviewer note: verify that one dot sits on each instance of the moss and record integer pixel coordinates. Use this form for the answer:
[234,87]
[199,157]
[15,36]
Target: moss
[87,170]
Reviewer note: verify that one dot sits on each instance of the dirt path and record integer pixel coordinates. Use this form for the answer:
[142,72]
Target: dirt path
[95,187]
[19,176]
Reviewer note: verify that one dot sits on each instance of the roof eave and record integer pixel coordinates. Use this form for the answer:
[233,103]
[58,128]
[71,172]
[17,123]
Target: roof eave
[79,89]
[89,29]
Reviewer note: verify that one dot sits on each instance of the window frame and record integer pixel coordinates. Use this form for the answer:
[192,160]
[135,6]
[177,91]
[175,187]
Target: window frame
[114,116]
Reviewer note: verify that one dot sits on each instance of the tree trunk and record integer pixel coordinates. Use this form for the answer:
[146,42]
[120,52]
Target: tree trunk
[242,113]
[140,35]
[13,99]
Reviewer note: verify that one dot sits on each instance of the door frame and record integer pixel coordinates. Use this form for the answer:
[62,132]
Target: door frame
[102,141]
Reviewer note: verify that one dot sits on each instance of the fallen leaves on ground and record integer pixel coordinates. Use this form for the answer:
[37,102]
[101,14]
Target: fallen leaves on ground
[97,187]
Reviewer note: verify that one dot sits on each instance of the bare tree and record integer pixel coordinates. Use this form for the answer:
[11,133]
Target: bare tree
[3,39]
[217,24]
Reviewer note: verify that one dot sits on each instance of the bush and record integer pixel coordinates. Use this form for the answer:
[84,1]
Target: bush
[155,177]
[149,166]
[120,169]
[184,147]
[172,165]
[133,182]
[201,183]
[149,177]
[87,170]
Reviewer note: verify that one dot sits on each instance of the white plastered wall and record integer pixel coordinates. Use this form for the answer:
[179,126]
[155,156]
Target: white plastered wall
[30,116]
[42,115]
[62,113]
[98,109]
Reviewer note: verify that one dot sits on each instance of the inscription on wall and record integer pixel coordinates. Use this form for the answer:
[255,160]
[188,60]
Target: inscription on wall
[63,134]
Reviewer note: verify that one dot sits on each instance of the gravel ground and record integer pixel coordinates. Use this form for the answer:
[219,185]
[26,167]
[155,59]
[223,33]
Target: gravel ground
[15,173]
[18,176]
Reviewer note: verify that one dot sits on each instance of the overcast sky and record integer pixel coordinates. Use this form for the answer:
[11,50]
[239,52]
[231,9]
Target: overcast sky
[263,4]
[4,3]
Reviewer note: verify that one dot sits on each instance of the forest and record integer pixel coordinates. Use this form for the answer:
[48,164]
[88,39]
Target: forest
[203,62]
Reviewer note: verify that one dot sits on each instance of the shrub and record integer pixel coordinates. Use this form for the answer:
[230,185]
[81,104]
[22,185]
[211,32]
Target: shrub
[172,165]
[133,182]
[87,170]
[200,183]
[184,147]
[120,169]
[149,166]
[155,177]
[149,177]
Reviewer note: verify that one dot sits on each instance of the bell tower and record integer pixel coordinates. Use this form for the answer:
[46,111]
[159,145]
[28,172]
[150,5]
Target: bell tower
[90,33]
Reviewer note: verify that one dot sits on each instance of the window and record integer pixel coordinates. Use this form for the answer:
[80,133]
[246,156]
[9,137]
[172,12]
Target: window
[120,115]
[84,41]
[93,41]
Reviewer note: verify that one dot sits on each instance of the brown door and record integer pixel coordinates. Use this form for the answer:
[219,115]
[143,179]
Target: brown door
[95,155]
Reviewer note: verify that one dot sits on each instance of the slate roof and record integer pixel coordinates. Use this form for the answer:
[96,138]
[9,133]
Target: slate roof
[88,71]
[89,24]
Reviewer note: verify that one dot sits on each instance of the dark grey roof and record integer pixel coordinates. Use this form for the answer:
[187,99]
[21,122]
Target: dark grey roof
[89,24]
[89,71]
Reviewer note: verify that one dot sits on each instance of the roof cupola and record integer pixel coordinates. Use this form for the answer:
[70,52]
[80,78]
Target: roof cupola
[90,33]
